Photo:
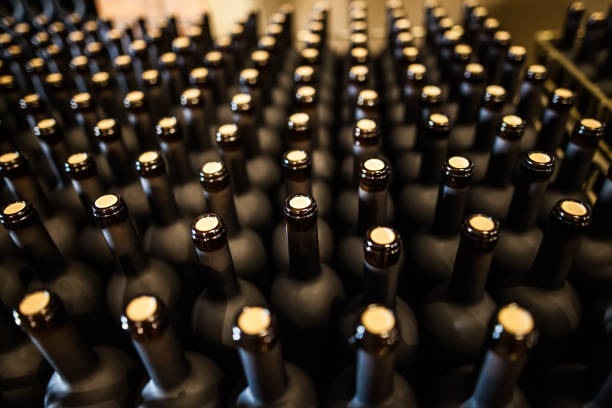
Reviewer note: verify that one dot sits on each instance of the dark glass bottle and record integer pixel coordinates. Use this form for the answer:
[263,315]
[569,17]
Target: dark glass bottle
[200,131]
[494,194]
[489,120]
[138,117]
[74,282]
[530,102]
[106,95]
[512,334]
[552,133]
[85,116]
[201,78]
[372,198]
[367,106]
[111,143]
[214,310]
[520,236]
[512,70]
[23,185]
[297,166]
[80,73]
[366,143]
[417,199]
[470,94]
[547,294]
[59,97]
[435,267]
[573,16]
[495,55]
[455,315]
[248,250]
[591,270]
[84,375]
[595,33]
[213,60]
[171,75]
[188,379]
[24,370]
[135,272]
[124,74]
[462,55]
[575,165]
[260,146]
[158,96]
[307,101]
[382,268]
[167,236]
[308,284]
[82,170]
[373,382]
[271,382]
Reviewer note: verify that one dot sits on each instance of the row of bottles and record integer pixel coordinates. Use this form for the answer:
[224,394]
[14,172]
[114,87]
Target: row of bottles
[397,229]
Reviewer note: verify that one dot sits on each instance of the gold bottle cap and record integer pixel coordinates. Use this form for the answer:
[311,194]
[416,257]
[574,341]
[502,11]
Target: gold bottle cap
[254,320]
[141,308]
[33,303]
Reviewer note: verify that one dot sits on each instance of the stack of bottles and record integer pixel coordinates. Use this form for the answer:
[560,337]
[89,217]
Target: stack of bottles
[255,220]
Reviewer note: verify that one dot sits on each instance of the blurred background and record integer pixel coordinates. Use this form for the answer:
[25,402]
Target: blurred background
[522,17]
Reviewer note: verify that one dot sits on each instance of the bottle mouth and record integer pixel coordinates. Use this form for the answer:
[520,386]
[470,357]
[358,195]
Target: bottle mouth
[382,246]
[563,97]
[375,172]
[144,316]
[45,129]
[537,73]
[150,77]
[255,328]
[208,232]
[572,212]
[474,71]
[303,74]
[299,122]
[358,73]
[13,165]
[249,77]
[297,160]
[214,175]
[306,94]
[514,330]
[495,94]
[377,329]
[457,172]
[538,165]
[241,102]
[80,165]
[481,228]
[134,99]
[431,94]
[107,128]
[150,164]
[517,53]
[199,76]
[367,98]
[168,128]
[17,215]
[512,127]
[300,209]
[587,132]
[228,137]
[109,209]
[39,310]
[366,131]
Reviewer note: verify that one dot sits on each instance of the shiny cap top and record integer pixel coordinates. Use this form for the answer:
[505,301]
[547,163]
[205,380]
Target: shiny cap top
[18,215]
[382,246]
[249,77]
[134,100]
[457,171]
[255,329]
[572,213]
[214,176]
[375,174]
[516,53]
[300,211]
[563,98]
[208,232]
[241,102]
[358,73]
[199,76]
[502,38]
[377,330]
[191,97]
[80,166]
[150,164]
[145,317]
[168,129]
[107,129]
[494,95]
[587,132]
[366,132]
[122,62]
[538,166]
[482,229]
[109,209]
[431,94]
[367,98]
[299,122]
[514,331]
[306,94]
[536,73]
[416,72]
[474,71]
[511,127]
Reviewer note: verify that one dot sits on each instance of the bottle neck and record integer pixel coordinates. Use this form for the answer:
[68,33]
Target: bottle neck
[161,199]
[551,134]
[503,159]
[87,121]
[218,267]
[488,122]
[380,284]
[372,208]
[28,188]
[298,186]
[163,358]
[198,127]
[221,202]
[41,251]
[126,246]
[119,161]
[67,353]
[497,380]
[472,263]
[374,377]
[304,259]
[575,167]
[264,372]
[56,154]
[469,98]
[178,161]
[525,204]
[450,207]
[142,123]
[511,76]
[361,153]
[247,127]
[555,256]
[434,154]
[236,166]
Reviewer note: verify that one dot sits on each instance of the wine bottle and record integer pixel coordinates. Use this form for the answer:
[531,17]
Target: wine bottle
[198,127]
[81,73]
[455,315]
[110,140]
[106,94]
[85,116]
[183,48]
[372,209]
[297,167]
[225,295]
[494,194]
[530,96]
[124,73]
[489,120]
[140,57]
[358,79]
[308,284]
[366,107]
[82,170]
[575,165]
[271,382]
[95,52]
[202,79]
[213,60]
[573,16]
[307,101]
[23,185]
[557,319]
[157,93]
[139,119]
[113,39]
[373,381]
[432,268]
[167,237]
[417,200]
[512,70]
[171,75]
[135,271]
[59,97]
[83,375]
[470,95]
[495,55]
[382,267]
[247,247]
[494,383]
[520,236]
[554,119]
[175,377]
[75,283]
[590,272]
[592,41]
[367,142]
